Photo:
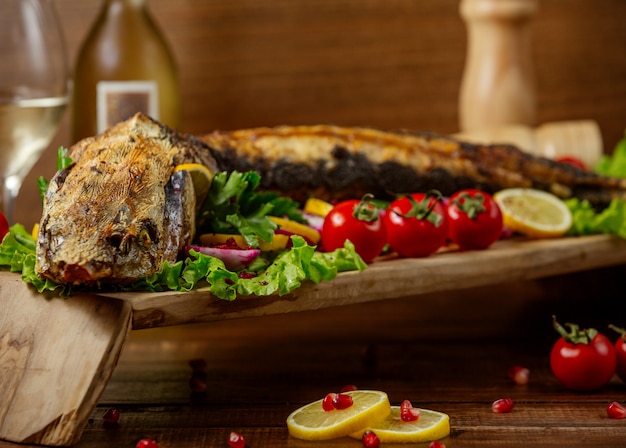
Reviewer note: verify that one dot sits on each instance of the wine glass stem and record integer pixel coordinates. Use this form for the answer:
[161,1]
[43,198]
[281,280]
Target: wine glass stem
[10,189]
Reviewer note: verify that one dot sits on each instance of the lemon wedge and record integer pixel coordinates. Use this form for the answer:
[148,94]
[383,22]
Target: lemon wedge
[431,425]
[309,233]
[317,207]
[312,422]
[534,213]
[201,177]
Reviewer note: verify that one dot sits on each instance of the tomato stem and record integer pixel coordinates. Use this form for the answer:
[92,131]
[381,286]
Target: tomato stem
[366,210]
[472,206]
[424,208]
[575,335]
[621,331]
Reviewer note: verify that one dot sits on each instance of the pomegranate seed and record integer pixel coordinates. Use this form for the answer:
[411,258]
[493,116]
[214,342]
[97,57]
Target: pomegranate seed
[348,388]
[111,416]
[616,410]
[342,401]
[502,406]
[519,375]
[147,443]
[407,412]
[436,444]
[197,384]
[370,439]
[327,402]
[236,440]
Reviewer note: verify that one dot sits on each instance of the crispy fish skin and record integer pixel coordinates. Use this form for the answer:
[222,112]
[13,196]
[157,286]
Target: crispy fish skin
[120,210]
[334,163]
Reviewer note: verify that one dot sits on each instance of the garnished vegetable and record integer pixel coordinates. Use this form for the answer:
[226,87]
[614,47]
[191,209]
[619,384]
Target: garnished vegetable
[416,225]
[615,164]
[232,206]
[234,259]
[587,221]
[582,359]
[281,275]
[359,222]
[63,161]
[573,161]
[474,219]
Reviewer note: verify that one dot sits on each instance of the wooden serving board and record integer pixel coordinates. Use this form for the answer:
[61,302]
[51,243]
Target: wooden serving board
[57,355]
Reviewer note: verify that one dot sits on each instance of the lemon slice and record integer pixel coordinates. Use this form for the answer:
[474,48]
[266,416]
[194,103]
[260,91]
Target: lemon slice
[317,207]
[431,425]
[201,177]
[312,422]
[534,213]
[312,235]
[279,242]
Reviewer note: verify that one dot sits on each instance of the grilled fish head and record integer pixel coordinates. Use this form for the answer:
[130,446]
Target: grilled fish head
[120,210]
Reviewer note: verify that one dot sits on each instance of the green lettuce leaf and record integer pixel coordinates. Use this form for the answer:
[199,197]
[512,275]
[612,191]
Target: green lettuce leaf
[588,221]
[233,206]
[281,275]
[614,165]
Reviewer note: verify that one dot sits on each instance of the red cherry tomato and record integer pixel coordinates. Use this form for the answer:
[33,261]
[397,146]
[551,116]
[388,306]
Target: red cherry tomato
[620,353]
[356,221]
[574,161]
[4,226]
[416,225]
[582,359]
[474,219]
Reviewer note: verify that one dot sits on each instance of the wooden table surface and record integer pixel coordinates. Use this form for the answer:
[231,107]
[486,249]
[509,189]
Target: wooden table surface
[448,352]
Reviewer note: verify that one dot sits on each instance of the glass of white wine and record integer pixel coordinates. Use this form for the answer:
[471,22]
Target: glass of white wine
[34,89]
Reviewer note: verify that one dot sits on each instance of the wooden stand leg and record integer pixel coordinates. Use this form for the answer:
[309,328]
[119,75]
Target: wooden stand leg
[56,357]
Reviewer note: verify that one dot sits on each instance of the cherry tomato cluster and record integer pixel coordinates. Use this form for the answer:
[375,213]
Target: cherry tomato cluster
[414,225]
[585,359]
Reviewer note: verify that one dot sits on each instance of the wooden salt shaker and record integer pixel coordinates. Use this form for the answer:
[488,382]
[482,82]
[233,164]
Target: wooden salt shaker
[497,87]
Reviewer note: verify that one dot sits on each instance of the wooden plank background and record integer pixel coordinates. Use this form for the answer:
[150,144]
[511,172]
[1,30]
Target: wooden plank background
[381,63]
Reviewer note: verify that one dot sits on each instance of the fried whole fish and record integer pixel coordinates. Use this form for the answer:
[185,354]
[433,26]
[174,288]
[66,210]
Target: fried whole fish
[121,210]
[333,162]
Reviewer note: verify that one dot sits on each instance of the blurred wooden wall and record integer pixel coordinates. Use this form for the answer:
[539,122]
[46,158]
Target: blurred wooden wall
[381,63]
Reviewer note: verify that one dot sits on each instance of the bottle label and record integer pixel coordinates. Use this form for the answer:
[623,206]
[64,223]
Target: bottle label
[119,100]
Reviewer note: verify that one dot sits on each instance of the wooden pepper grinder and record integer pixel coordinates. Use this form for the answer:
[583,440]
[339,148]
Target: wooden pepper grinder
[497,87]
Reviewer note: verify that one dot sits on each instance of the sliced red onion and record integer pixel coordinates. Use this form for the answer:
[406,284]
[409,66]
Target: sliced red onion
[234,259]
[314,221]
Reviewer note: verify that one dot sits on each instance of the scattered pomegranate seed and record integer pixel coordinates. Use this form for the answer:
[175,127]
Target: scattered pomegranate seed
[370,439]
[236,440]
[342,401]
[197,384]
[616,410]
[502,406]
[111,416]
[407,412]
[147,443]
[519,375]
[348,388]
[327,402]
[436,444]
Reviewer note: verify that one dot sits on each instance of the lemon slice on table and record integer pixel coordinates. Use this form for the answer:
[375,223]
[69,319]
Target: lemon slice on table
[201,177]
[431,425]
[312,422]
[534,213]
[317,207]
